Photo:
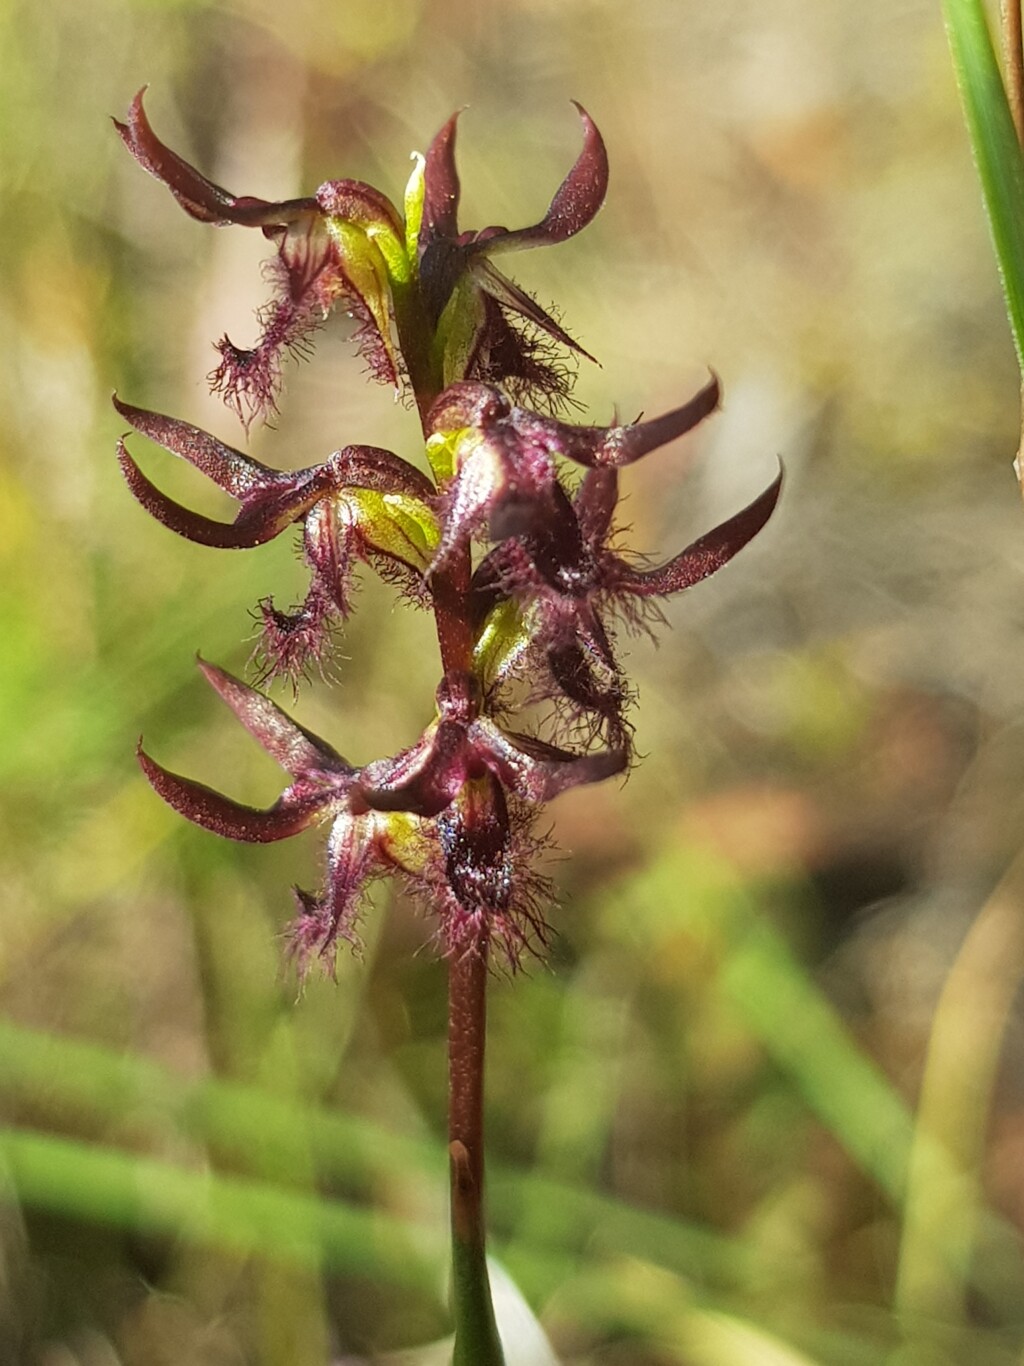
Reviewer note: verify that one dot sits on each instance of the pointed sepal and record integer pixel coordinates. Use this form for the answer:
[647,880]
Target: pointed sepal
[296,809]
[574,205]
[706,555]
[199,197]
[297,750]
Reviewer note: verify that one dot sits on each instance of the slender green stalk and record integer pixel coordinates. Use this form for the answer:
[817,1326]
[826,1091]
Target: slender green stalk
[994,142]
[236,1214]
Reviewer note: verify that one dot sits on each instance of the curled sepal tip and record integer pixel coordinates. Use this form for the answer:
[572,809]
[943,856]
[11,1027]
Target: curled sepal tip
[363,503]
[264,513]
[574,205]
[538,772]
[707,554]
[617,446]
[233,471]
[203,806]
[199,197]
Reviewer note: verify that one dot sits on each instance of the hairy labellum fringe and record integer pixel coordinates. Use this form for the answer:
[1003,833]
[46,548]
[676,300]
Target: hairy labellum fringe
[294,645]
[314,935]
[508,913]
[530,366]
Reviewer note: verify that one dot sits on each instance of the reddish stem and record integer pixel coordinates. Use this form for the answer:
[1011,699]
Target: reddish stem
[467,1022]
[452,614]
[476,1335]
[1013,54]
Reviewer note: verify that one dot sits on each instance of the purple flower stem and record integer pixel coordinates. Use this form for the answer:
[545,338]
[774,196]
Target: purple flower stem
[476,1335]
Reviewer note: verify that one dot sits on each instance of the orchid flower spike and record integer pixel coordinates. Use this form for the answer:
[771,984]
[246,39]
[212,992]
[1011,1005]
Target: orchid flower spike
[510,539]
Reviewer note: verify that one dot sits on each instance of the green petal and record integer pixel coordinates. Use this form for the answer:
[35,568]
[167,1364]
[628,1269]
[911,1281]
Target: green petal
[458,330]
[414,194]
[370,273]
[502,642]
[395,524]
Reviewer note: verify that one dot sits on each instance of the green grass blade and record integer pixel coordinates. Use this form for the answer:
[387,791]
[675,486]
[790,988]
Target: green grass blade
[996,150]
[848,1092]
[237,1215]
[136,1100]
[130,1099]
[778,1001]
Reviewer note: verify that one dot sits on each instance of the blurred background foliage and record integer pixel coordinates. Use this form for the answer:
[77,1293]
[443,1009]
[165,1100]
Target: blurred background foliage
[764,1103]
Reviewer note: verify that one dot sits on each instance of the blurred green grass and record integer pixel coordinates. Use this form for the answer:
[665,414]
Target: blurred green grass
[702,1111]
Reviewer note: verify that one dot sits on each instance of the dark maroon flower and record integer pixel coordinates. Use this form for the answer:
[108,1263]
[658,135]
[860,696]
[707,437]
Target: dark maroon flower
[463,744]
[358,847]
[491,329]
[422,813]
[363,504]
[569,581]
[333,252]
[503,458]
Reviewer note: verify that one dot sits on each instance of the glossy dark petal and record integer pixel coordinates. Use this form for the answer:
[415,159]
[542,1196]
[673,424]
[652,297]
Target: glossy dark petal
[231,470]
[575,204]
[423,780]
[214,812]
[258,522]
[477,844]
[442,264]
[537,771]
[705,555]
[488,585]
[549,535]
[297,750]
[199,197]
[614,447]
[520,512]
[441,187]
